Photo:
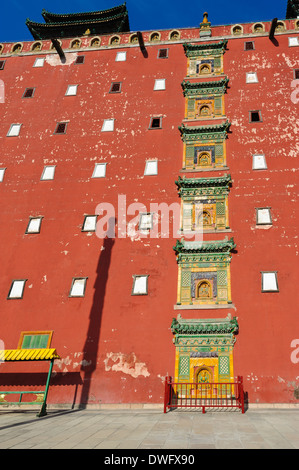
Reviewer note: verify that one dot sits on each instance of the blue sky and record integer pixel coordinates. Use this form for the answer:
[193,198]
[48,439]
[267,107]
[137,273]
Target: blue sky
[143,14]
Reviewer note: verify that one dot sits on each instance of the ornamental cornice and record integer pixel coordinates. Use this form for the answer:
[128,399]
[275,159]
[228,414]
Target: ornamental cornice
[208,327]
[194,50]
[191,183]
[210,132]
[200,88]
[218,246]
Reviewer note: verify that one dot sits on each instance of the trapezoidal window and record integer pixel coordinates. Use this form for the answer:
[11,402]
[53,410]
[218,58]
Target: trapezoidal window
[155,123]
[269,281]
[2,171]
[140,285]
[80,59]
[60,128]
[28,93]
[249,46]
[163,54]
[255,116]
[115,87]
[78,287]
[2,63]
[16,290]
[39,62]
[89,223]
[34,225]
[48,173]
[14,130]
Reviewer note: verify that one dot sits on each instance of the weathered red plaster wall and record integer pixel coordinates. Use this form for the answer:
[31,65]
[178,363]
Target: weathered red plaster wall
[115,347]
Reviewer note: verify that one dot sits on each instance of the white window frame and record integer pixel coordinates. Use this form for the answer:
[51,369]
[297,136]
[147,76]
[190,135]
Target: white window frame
[2,173]
[259,162]
[16,290]
[148,223]
[263,212]
[89,223]
[39,62]
[50,169]
[78,287]
[140,284]
[102,172]
[14,130]
[108,125]
[121,56]
[151,168]
[269,281]
[71,90]
[160,84]
[293,41]
[251,77]
[36,227]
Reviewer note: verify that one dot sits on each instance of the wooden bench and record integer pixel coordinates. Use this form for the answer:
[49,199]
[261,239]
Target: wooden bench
[33,346]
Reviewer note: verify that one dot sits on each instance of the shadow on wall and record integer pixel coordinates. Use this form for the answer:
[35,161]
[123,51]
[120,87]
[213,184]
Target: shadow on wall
[91,346]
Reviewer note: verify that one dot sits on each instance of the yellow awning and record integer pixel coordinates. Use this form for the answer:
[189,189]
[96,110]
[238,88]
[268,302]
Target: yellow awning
[44,354]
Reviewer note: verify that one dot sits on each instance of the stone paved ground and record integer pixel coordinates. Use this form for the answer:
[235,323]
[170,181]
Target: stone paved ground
[150,429]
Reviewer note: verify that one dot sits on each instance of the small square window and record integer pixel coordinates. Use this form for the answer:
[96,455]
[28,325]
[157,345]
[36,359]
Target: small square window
[269,281]
[121,56]
[2,63]
[151,167]
[71,90]
[17,289]
[115,87]
[255,116]
[163,54]
[294,41]
[99,170]
[140,285]
[259,162]
[28,93]
[263,216]
[39,62]
[14,130]
[146,221]
[159,84]
[108,125]
[296,74]
[249,46]
[90,223]
[156,123]
[2,171]
[80,59]
[34,225]
[60,128]
[78,287]
[251,77]
[48,173]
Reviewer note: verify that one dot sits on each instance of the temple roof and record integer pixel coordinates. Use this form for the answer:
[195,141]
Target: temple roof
[205,326]
[114,20]
[217,246]
[224,180]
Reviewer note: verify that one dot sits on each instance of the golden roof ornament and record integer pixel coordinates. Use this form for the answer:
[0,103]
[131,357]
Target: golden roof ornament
[205,26]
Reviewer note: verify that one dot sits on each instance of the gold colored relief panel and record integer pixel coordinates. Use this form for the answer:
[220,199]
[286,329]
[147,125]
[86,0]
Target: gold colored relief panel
[204,156]
[203,66]
[204,108]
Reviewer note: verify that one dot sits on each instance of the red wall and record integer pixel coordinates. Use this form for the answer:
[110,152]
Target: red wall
[115,347]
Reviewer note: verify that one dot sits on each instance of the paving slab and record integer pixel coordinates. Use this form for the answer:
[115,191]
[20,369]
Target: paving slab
[150,429]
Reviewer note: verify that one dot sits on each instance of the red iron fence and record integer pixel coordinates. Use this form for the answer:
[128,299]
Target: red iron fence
[204,395]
